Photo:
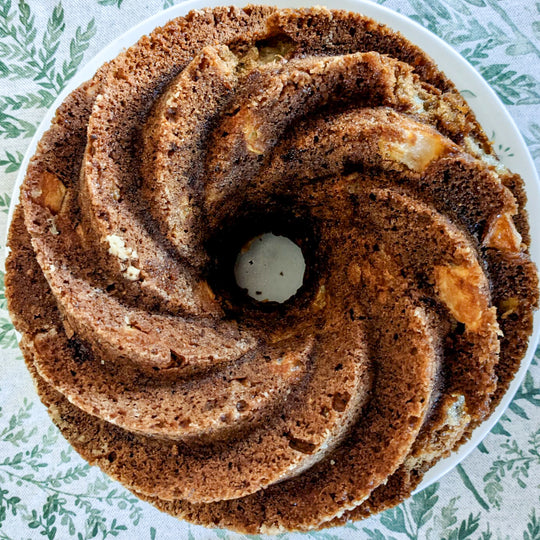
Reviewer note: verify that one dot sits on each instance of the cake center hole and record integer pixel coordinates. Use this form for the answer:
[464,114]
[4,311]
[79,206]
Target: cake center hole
[270,268]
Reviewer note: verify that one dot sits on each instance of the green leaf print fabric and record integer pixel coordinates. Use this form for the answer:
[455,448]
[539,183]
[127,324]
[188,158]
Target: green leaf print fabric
[47,491]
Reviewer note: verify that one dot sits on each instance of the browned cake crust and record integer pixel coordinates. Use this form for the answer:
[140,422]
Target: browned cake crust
[416,307]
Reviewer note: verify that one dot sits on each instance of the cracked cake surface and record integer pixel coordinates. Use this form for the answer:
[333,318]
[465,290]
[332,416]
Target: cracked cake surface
[416,307]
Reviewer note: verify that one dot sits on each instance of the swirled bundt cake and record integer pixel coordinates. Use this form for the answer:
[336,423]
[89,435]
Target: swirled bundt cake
[416,305]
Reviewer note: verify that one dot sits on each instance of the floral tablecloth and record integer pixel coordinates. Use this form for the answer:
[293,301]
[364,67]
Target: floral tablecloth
[47,491]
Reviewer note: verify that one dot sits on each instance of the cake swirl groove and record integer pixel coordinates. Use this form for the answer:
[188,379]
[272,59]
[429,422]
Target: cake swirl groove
[413,316]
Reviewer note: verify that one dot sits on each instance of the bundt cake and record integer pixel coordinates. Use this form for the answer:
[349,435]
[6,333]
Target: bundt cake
[414,313]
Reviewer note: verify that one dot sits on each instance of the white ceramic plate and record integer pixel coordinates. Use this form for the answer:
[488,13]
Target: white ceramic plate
[489,110]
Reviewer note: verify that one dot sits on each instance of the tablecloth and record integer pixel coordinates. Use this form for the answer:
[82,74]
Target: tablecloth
[47,491]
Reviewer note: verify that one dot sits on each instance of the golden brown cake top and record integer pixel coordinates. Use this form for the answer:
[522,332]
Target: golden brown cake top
[416,306]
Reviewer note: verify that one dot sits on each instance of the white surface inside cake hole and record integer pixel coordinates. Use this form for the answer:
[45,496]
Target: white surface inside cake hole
[270,268]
